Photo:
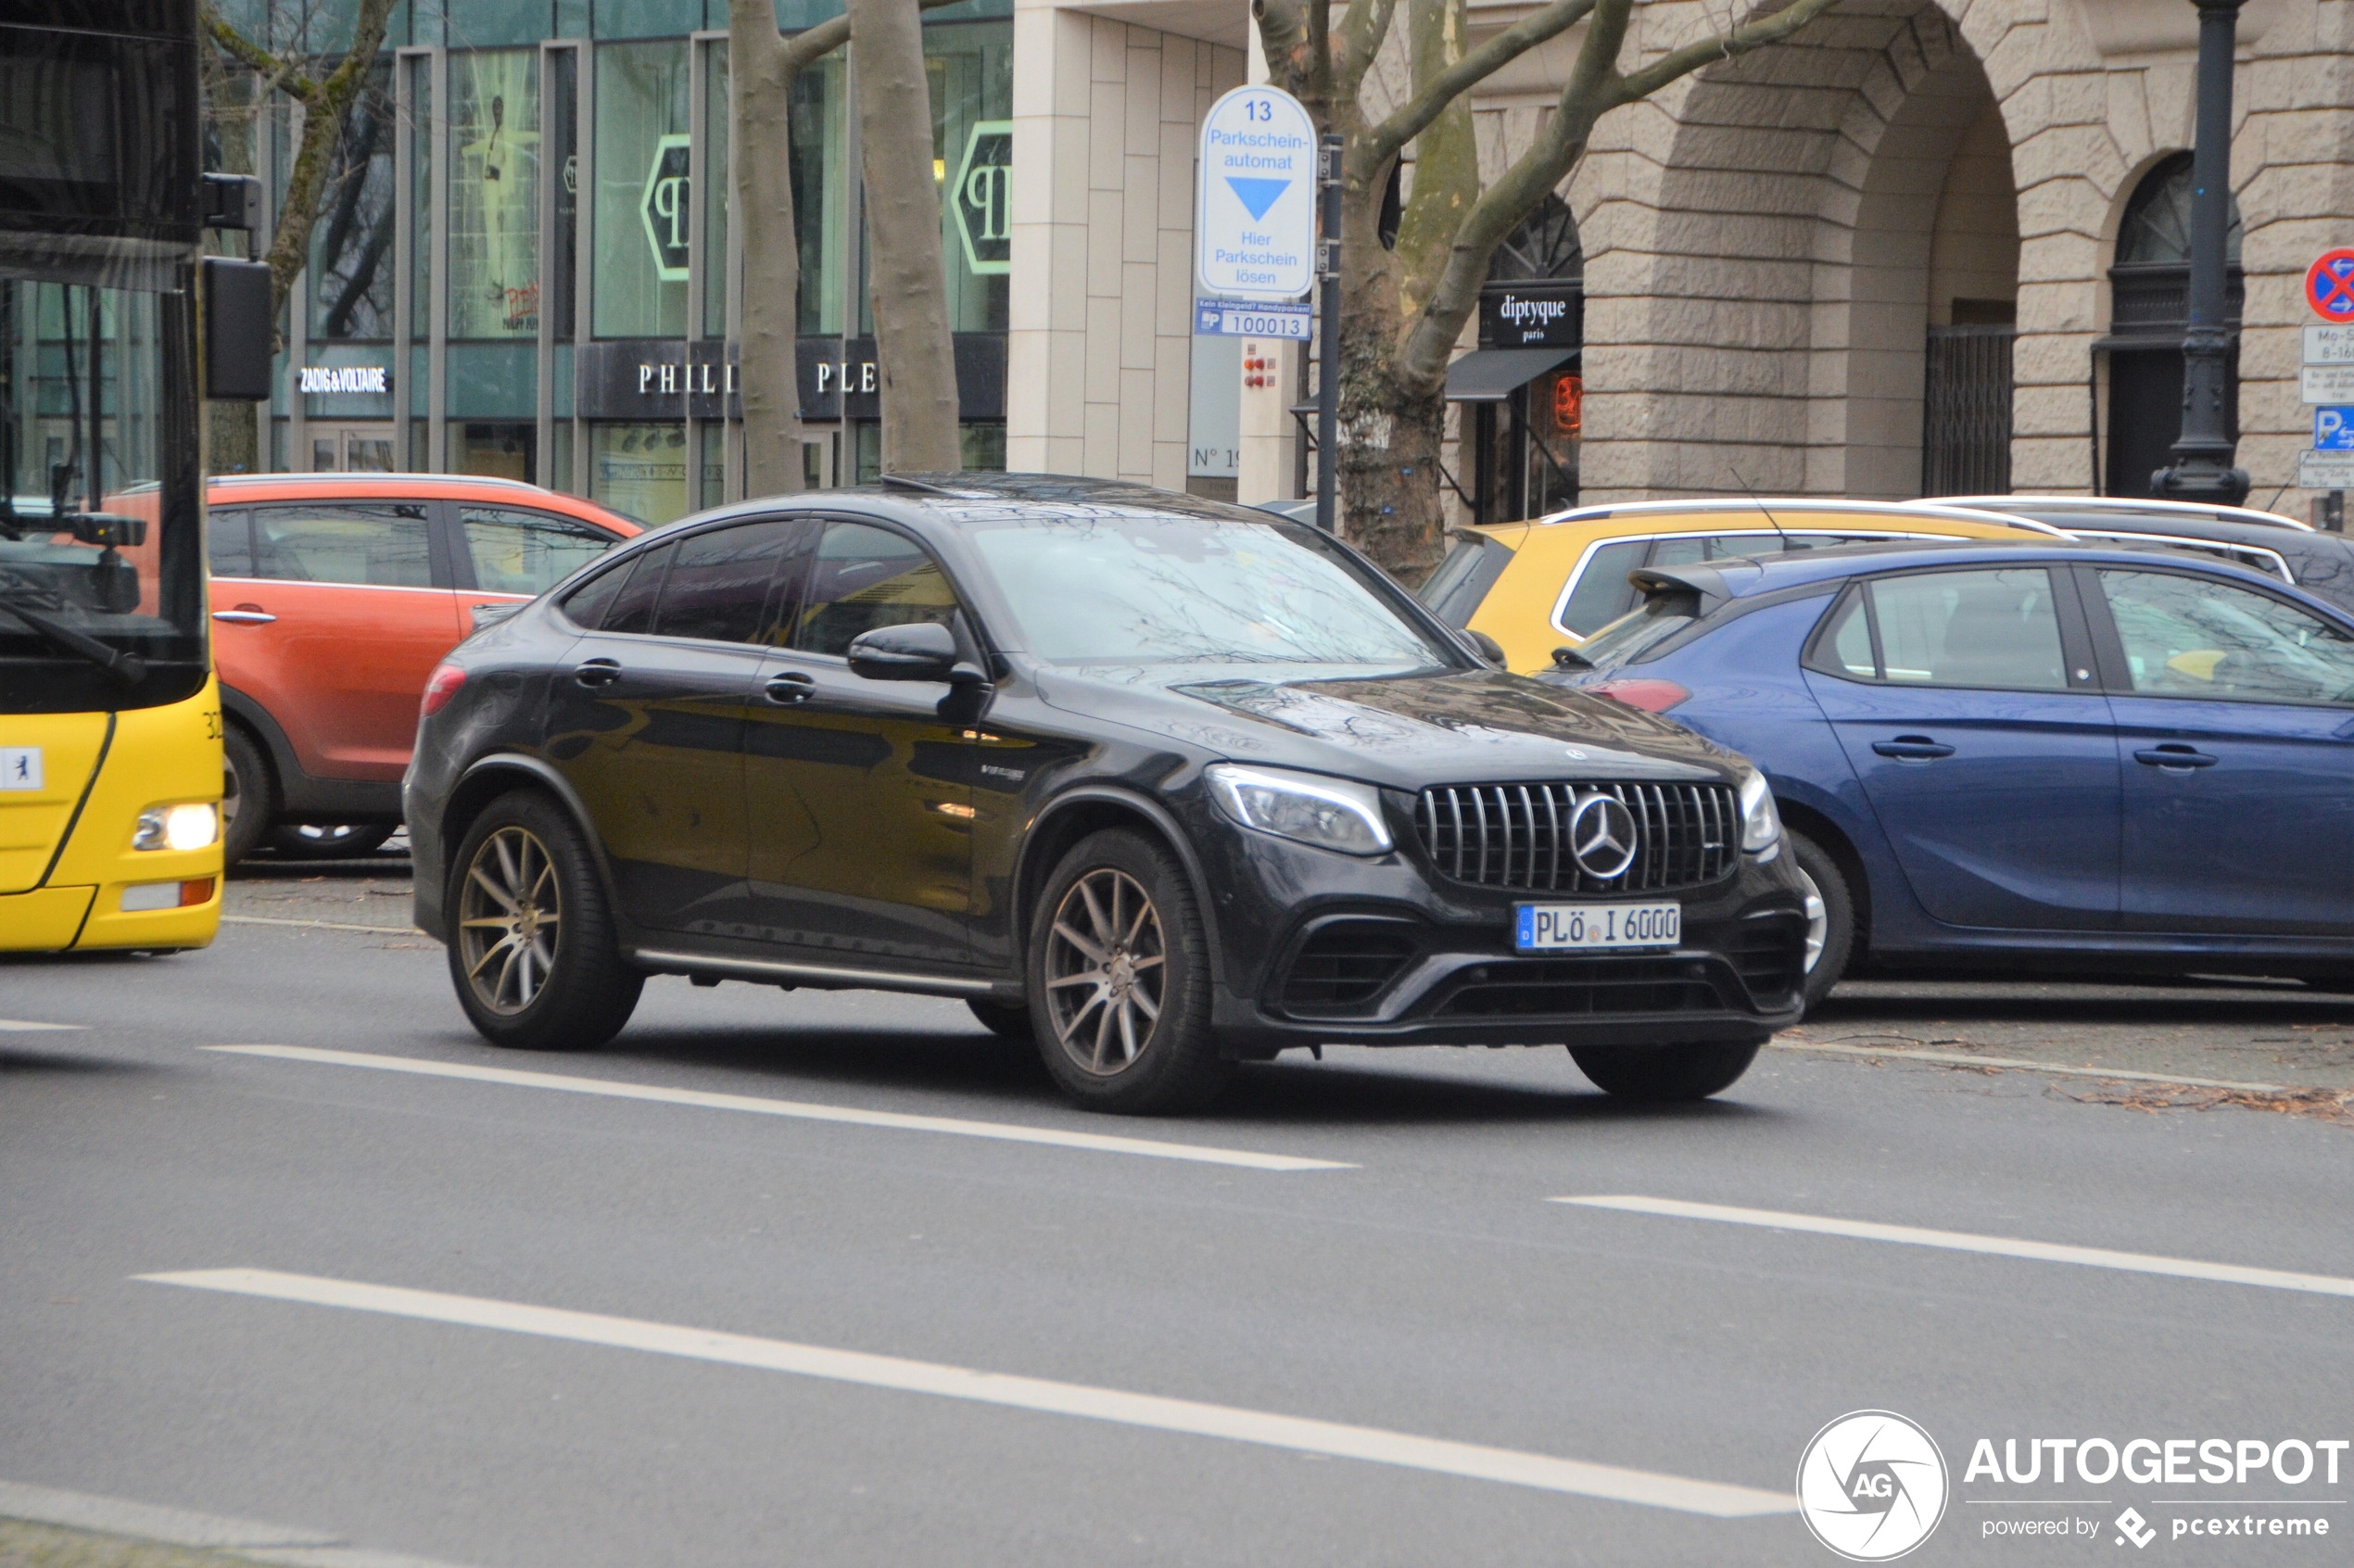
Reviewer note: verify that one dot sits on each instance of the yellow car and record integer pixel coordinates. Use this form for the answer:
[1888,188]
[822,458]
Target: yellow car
[1554,582]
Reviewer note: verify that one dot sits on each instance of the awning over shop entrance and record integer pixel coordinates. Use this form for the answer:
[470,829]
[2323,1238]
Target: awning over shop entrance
[1490,375]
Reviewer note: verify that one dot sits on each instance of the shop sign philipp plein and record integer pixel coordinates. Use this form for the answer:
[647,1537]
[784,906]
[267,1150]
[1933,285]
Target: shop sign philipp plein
[664,207]
[982,199]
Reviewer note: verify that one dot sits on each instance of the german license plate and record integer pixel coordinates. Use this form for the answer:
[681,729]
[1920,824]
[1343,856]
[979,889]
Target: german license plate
[1558,928]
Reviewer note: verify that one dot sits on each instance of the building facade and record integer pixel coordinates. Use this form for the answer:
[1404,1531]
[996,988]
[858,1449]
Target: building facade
[1923,247]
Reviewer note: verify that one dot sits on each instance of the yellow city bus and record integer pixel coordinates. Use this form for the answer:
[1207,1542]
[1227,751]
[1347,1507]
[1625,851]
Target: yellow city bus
[110,771]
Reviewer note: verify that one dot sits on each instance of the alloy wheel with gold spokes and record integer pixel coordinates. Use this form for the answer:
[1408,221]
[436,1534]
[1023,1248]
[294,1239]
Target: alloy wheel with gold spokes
[1107,971]
[510,920]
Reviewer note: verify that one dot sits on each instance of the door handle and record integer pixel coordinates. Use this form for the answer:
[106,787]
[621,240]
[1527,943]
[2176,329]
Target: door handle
[789,688]
[245,617]
[597,672]
[1912,748]
[2179,758]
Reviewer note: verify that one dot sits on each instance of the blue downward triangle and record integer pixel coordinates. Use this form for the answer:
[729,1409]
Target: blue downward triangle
[1257,195]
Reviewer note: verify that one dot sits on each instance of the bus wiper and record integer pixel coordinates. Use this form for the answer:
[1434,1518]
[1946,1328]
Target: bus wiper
[128,669]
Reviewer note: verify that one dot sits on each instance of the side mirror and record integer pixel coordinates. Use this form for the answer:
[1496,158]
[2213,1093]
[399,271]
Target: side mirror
[1489,648]
[238,327]
[1571,659]
[917,650]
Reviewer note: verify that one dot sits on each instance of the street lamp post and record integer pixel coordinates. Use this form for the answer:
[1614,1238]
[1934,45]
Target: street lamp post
[2202,469]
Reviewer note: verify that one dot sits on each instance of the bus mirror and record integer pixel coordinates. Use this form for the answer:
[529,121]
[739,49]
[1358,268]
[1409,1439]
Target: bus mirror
[108,529]
[239,323]
[232,201]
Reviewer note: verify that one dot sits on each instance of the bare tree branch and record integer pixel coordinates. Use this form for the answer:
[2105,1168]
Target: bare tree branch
[1691,57]
[1390,137]
[1362,31]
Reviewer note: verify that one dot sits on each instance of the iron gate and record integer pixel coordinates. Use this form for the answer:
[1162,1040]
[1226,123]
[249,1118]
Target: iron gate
[1965,412]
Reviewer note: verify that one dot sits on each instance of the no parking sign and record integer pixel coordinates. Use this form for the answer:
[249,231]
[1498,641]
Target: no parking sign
[2329,285]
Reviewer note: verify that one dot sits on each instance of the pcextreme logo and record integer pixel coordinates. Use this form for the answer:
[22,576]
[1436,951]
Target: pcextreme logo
[1871,1485]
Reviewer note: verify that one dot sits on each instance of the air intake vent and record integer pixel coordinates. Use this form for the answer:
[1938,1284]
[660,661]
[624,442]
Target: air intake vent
[1346,965]
[1770,952]
[1517,835]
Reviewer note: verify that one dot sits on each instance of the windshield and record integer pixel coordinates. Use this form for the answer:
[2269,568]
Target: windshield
[96,411]
[1145,588]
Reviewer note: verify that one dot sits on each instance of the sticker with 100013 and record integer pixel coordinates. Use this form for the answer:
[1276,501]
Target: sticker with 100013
[1553,928]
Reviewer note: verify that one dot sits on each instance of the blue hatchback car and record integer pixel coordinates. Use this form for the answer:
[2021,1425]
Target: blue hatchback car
[2019,756]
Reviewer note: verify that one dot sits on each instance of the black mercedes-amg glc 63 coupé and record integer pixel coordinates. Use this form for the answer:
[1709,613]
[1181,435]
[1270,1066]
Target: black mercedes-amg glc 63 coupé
[1154,785]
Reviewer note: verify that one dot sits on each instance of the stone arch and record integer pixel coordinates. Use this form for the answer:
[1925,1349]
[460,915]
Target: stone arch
[1817,209]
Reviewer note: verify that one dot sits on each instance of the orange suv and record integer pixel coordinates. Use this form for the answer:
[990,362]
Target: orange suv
[333,598]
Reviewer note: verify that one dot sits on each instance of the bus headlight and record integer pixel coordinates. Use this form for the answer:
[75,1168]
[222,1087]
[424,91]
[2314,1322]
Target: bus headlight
[177,827]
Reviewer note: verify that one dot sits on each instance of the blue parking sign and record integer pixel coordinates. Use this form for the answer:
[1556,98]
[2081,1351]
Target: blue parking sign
[2333,428]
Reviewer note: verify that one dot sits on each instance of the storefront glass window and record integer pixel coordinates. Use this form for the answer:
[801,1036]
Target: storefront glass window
[715,202]
[421,140]
[494,194]
[641,210]
[971,70]
[351,254]
[639,469]
[820,191]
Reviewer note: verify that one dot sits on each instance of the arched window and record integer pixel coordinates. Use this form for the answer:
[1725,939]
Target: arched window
[1544,247]
[2149,310]
[2157,229]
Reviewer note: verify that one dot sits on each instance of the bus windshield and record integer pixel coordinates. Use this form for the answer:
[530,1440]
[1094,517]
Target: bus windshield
[101,555]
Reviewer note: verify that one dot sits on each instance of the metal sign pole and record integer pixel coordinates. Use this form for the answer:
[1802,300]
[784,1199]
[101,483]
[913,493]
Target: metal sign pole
[1328,348]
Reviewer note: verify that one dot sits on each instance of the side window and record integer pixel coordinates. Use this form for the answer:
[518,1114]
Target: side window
[1683,549]
[587,605]
[2187,636]
[1844,645]
[719,584]
[1602,593]
[1996,628]
[863,577]
[527,552]
[632,609]
[229,541]
[381,544]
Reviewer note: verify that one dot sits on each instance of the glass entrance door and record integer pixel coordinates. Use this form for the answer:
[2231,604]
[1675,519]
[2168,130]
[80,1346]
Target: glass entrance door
[351,448]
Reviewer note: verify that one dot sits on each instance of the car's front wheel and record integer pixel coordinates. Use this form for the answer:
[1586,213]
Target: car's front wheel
[1662,1074]
[532,945]
[1118,980]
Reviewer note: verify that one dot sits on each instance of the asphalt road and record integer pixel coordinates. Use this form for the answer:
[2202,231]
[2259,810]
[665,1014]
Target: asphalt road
[795,1217]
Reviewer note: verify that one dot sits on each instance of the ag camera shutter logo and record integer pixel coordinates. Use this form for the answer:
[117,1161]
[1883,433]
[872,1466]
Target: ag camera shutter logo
[1872,1486]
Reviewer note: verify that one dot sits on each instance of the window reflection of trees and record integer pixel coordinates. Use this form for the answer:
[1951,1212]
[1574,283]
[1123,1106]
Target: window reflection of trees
[2191,638]
[1180,590]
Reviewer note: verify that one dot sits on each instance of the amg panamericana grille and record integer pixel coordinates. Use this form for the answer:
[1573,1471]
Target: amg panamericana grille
[1517,835]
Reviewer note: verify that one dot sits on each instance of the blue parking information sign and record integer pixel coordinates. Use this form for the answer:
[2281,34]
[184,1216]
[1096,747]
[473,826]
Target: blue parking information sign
[2333,428]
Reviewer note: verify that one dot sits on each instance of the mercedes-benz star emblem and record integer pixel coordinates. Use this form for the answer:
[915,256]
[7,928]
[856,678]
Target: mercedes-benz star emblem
[1601,835]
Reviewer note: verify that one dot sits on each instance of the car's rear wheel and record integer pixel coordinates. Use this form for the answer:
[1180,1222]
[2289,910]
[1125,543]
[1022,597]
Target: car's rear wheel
[1830,917]
[1120,980]
[1661,1074]
[305,841]
[532,946]
[248,794]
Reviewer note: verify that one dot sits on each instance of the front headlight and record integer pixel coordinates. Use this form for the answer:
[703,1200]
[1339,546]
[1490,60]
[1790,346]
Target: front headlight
[1761,824]
[176,827]
[1329,813]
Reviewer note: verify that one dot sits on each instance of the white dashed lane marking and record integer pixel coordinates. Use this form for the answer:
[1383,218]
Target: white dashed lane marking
[28,1025]
[1007,1131]
[1300,1435]
[1960,1241]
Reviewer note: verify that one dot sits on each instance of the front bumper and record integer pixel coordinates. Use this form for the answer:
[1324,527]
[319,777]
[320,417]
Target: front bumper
[1319,948]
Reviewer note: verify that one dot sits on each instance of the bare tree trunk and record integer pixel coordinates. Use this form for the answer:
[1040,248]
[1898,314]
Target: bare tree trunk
[761,69]
[908,278]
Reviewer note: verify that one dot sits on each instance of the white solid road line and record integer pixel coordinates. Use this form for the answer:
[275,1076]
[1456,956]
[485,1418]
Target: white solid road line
[317,925]
[1300,1435]
[2022,1064]
[27,1024]
[279,1544]
[1012,1132]
[1960,1241]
